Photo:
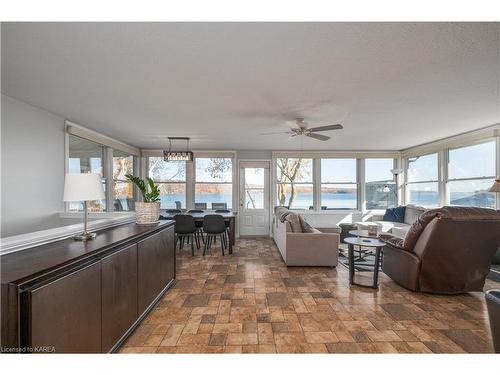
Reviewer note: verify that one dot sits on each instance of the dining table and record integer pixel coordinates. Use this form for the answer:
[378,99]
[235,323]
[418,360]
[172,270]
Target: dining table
[229,217]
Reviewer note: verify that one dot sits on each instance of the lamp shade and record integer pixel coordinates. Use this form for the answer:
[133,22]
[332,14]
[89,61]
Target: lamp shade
[496,187]
[82,187]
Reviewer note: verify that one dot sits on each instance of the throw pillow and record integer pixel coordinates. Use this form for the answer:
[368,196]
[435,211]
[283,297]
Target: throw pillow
[396,215]
[393,241]
[294,221]
[306,227]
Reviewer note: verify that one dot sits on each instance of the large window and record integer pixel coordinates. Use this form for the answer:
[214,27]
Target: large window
[339,188]
[171,179]
[380,184]
[123,190]
[422,180]
[214,181]
[471,172]
[295,183]
[86,157]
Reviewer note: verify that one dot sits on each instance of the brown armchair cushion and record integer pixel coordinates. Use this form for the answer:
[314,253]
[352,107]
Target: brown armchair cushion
[418,227]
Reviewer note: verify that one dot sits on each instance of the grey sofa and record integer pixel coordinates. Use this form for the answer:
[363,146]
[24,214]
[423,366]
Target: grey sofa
[299,248]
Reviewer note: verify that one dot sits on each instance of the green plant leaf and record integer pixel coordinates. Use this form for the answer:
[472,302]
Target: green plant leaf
[140,184]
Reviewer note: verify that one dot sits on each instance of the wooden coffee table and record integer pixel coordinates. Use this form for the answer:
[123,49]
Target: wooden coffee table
[368,244]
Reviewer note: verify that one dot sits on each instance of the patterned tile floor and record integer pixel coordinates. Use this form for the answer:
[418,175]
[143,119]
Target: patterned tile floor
[251,302]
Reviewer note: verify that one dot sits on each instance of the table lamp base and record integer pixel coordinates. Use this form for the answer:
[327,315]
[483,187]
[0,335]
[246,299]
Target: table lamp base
[85,236]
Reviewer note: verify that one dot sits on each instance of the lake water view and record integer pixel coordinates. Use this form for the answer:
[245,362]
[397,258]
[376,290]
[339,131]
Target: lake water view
[346,200]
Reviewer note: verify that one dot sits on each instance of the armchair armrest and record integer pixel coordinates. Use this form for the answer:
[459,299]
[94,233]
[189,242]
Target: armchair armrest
[393,241]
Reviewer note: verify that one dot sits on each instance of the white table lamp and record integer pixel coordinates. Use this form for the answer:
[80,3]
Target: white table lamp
[495,188]
[84,187]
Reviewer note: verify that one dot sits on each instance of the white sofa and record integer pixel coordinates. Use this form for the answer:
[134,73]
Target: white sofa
[412,213]
[306,249]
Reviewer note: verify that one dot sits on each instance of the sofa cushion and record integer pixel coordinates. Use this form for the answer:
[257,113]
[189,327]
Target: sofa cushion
[396,214]
[400,231]
[334,229]
[412,213]
[306,227]
[281,213]
[294,221]
[388,226]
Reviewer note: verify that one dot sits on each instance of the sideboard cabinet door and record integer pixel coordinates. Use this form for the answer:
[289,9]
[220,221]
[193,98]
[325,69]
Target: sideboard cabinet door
[65,314]
[119,295]
[156,266]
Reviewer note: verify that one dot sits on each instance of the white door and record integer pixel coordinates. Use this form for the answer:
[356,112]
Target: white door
[254,198]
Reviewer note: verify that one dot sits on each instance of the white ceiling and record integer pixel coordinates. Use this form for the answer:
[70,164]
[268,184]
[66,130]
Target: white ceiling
[392,86]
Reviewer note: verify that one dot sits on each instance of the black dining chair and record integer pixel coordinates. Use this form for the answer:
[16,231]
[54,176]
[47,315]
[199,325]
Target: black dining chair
[226,222]
[199,224]
[200,206]
[213,226]
[219,206]
[185,230]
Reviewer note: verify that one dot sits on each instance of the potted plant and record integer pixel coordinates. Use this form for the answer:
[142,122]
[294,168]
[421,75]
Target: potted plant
[148,211]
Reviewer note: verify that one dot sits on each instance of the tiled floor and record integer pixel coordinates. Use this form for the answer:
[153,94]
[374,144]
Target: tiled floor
[251,303]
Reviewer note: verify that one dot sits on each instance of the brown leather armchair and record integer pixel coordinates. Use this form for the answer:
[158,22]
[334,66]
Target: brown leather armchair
[447,250]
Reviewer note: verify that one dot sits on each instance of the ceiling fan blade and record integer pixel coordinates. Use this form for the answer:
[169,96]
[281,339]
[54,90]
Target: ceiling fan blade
[319,137]
[325,128]
[275,133]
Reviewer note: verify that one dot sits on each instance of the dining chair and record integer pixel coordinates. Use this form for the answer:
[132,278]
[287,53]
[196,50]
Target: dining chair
[226,222]
[199,224]
[213,226]
[185,230]
[219,206]
[200,206]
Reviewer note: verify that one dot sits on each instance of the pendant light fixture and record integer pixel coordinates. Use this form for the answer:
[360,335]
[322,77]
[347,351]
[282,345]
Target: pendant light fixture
[184,154]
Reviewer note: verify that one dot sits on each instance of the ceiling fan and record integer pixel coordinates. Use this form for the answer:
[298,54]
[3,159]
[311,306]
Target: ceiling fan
[302,129]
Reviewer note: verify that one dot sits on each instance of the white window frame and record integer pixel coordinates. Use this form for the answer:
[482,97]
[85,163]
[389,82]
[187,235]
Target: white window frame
[108,144]
[190,172]
[395,176]
[135,161]
[204,155]
[483,135]
[446,160]
[358,188]
[318,155]
[275,179]
[437,181]
[170,182]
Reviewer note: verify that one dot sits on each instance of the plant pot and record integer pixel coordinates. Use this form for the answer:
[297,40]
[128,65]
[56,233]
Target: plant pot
[147,213]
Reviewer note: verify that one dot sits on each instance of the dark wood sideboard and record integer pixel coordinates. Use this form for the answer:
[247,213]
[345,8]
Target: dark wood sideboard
[85,297]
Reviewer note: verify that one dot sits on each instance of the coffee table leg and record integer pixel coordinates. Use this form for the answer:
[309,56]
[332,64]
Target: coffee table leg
[351,263]
[377,265]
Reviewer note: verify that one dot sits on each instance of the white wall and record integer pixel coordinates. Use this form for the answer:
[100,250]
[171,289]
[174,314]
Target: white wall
[254,154]
[32,158]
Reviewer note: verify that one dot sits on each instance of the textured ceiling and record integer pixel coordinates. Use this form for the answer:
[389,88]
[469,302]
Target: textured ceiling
[392,85]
